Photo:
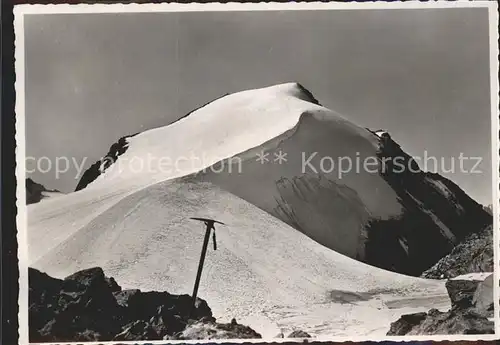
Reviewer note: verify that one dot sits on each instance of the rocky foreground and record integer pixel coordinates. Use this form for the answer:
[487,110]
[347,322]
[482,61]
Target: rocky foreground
[471,312]
[471,300]
[88,306]
[474,254]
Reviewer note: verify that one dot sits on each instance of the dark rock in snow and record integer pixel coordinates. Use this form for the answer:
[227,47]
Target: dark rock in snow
[88,306]
[473,255]
[436,322]
[472,305]
[299,334]
[165,313]
[212,330]
[34,191]
[406,323]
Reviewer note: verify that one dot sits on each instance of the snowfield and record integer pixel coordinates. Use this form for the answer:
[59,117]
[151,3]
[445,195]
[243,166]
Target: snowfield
[134,223]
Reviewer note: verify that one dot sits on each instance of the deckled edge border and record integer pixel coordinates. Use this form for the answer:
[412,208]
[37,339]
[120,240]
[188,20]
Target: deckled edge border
[21,219]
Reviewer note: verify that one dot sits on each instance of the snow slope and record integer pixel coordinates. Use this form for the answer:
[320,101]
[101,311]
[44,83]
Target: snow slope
[132,220]
[264,273]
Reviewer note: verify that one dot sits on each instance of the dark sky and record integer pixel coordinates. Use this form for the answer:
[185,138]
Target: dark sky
[421,74]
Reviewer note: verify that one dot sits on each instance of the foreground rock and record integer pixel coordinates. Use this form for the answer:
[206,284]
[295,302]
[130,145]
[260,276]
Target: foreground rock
[299,334]
[472,306]
[473,255]
[436,322]
[87,306]
[483,297]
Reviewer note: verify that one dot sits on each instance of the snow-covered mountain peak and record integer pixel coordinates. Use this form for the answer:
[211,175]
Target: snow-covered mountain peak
[291,89]
[333,180]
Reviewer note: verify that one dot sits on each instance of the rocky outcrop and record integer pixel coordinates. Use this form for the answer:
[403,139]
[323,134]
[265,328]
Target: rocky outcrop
[472,308]
[35,191]
[342,209]
[437,215]
[437,322]
[483,297]
[461,293]
[88,306]
[299,334]
[99,167]
[473,255]
[78,308]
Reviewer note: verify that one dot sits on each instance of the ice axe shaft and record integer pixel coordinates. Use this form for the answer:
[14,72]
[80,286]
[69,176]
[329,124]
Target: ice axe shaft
[210,226]
[200,267]
[213,238]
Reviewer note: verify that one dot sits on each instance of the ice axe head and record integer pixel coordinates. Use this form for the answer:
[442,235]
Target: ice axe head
[208,222]
[210,225]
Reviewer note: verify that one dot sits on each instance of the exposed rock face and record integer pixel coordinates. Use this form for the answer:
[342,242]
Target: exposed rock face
[473,255]
[461,292]
[79,308]
[436,322]
[437,215]
[483,297]
[99,167]
[34,191]
[472,305]
[87,306]
[398,218]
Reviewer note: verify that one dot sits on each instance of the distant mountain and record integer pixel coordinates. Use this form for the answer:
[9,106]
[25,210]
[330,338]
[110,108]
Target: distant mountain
[35,192]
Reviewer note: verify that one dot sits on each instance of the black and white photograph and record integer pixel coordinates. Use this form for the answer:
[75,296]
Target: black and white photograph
[257,172]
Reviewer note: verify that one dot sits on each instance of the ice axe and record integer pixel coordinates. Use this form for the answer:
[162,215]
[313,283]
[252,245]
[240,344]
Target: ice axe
[210,224]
